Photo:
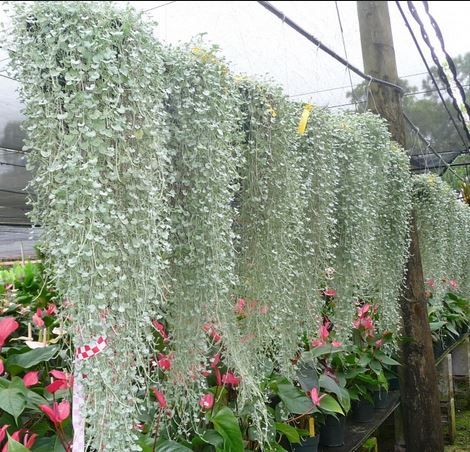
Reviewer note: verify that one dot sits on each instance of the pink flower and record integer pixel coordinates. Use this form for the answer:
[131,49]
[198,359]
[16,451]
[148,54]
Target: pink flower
[329,292]
[160,397]
[28,439]
[379,343]
[164,361]
[3,432]
[31,378]
[7,326]
[324,333]
[453,283]
[361,312]
[2,367]
[51,309]
[37,318]
[430,282]
[58,412]
[317,343]
[161,329]
[336,344]
[207,401]
[229,378]
[215,360]
[240,307]
[63,380]
[209,328]
[364,322]
[316,398]
[263,310]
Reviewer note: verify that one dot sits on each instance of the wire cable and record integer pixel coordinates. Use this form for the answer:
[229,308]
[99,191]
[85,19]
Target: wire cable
[449,59]
[326,49]
[345,53]
[431,75]
[157,7]
[429,146]
[440,69]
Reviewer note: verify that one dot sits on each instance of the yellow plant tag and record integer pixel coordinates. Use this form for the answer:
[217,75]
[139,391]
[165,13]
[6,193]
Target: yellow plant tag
[304,118]
[311,426]
[272,111]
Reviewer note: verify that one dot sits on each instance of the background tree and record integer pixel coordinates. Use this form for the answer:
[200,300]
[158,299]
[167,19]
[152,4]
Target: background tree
[426,110]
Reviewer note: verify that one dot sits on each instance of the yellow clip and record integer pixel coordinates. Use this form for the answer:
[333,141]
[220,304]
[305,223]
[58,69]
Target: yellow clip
[304,118]
[311,426]
[272,111]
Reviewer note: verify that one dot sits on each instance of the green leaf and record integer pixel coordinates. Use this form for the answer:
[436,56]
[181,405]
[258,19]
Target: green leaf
[213,438]
[290,432]
[15,446]
[387,360]
[172,446]
[12,400]
[307,376]
[436,325]
[49,444]
[146,443]
[328,403]
[227,425]
[31,358]
[328,384]
[293,398]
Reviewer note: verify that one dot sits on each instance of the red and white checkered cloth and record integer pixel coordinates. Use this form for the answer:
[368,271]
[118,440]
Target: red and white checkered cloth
[89,350]
[78,412]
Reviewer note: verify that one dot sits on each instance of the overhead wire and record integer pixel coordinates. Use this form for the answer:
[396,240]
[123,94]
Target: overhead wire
[271,8]
[431,75]
[157,7]
[429,146]
[353,95]
[346,63]
[440,69]
[449,59]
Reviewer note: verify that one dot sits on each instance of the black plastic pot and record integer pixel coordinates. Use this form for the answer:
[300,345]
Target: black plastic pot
[394,384]
[307,445]
[332,431]
[380,399]
[362,410]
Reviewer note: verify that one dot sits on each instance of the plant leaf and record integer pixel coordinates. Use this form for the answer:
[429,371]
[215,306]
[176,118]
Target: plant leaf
[31,358]
[290,432]
[12,400]
[227,425]
[328,403]
[15,446]
[171,446]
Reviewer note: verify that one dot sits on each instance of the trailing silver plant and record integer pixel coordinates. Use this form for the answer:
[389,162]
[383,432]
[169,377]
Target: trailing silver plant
[392,240]
[443,228]
[91,80]
[205,144]
[271,228]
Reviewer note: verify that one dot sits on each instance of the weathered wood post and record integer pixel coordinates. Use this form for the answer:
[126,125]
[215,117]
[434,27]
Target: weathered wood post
[419,390]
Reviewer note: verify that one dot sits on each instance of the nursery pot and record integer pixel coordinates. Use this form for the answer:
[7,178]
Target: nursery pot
[394,384]
[307,445]
[363,410]
[380,399]
[332,431]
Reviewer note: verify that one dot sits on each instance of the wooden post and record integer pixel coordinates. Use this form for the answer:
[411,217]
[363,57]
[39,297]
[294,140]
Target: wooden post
[461,373]
[446,392]
[419,391]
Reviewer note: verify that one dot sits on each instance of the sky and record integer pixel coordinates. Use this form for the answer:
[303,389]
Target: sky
[258,43]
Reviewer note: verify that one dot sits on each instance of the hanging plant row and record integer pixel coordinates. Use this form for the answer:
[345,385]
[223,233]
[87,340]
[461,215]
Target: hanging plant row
[196,235]
[444,232]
